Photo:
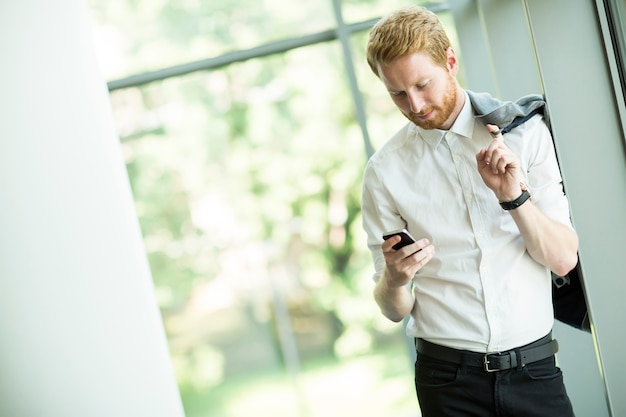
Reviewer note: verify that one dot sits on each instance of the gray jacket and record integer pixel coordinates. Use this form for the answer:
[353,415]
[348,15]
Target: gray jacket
[506,114]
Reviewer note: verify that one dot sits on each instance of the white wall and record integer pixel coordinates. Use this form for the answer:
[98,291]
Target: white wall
[80,331]
[577,66]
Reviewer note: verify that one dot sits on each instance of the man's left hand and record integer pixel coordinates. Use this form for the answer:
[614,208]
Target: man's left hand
[499,167]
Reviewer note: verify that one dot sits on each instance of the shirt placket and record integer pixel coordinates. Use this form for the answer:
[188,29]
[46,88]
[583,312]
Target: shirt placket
[467,176]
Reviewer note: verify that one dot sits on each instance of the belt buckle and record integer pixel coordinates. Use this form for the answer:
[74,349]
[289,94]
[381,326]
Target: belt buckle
[486,363]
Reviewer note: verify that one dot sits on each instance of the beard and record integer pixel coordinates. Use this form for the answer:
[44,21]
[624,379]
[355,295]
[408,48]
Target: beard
[441,113]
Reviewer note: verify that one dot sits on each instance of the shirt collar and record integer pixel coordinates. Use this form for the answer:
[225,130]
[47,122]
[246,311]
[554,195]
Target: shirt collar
[462,126]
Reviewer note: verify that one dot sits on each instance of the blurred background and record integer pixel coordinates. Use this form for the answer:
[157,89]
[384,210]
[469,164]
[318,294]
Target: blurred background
[245,126]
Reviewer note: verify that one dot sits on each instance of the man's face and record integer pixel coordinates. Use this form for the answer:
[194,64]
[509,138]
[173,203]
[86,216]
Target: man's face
[424,92]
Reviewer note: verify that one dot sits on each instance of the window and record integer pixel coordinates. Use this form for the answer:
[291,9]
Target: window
[247,178]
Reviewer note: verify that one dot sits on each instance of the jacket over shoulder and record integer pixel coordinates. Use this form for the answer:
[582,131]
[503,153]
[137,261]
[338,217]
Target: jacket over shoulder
[507,114]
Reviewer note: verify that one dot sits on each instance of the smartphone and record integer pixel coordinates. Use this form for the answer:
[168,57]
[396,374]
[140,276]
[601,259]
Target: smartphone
[405,236]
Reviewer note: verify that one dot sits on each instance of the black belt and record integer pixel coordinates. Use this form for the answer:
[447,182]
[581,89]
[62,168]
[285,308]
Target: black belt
[491,362]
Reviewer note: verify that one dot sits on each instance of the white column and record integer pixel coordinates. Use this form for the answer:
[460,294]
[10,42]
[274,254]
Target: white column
[578,69]
[80,331]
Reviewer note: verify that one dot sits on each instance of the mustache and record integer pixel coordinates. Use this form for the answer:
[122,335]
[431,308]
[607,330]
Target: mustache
[423,112]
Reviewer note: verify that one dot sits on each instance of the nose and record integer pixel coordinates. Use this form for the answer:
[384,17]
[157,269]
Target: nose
[416,103]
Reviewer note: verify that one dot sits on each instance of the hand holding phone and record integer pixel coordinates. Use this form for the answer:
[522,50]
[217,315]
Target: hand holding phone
[405,238]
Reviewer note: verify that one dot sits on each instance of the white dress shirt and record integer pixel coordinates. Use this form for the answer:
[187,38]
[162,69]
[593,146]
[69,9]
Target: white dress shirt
[481,291]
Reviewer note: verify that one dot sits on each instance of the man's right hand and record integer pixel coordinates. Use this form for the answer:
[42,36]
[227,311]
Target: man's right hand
[403,264]
[392,294]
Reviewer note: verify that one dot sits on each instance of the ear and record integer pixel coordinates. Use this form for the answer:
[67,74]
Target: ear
[452,62]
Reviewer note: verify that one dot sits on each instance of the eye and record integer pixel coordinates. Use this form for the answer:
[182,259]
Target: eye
[396,93]
[423,85]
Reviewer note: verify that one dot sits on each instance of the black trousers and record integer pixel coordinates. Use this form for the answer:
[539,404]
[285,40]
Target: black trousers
[447,389]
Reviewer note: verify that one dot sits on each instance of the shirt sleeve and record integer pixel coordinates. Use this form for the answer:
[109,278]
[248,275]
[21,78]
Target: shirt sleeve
[379,215]
[542,171]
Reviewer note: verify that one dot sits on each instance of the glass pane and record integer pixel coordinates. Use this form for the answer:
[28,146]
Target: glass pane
[247,182]
[383,117]
[362,10]
[144,35]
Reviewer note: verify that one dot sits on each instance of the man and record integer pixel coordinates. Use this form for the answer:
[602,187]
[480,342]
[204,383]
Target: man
[477,282]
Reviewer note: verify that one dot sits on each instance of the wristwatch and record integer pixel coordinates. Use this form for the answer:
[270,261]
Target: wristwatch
[512,205]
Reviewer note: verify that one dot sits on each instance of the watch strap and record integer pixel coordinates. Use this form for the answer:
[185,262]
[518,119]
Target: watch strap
[512,205]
